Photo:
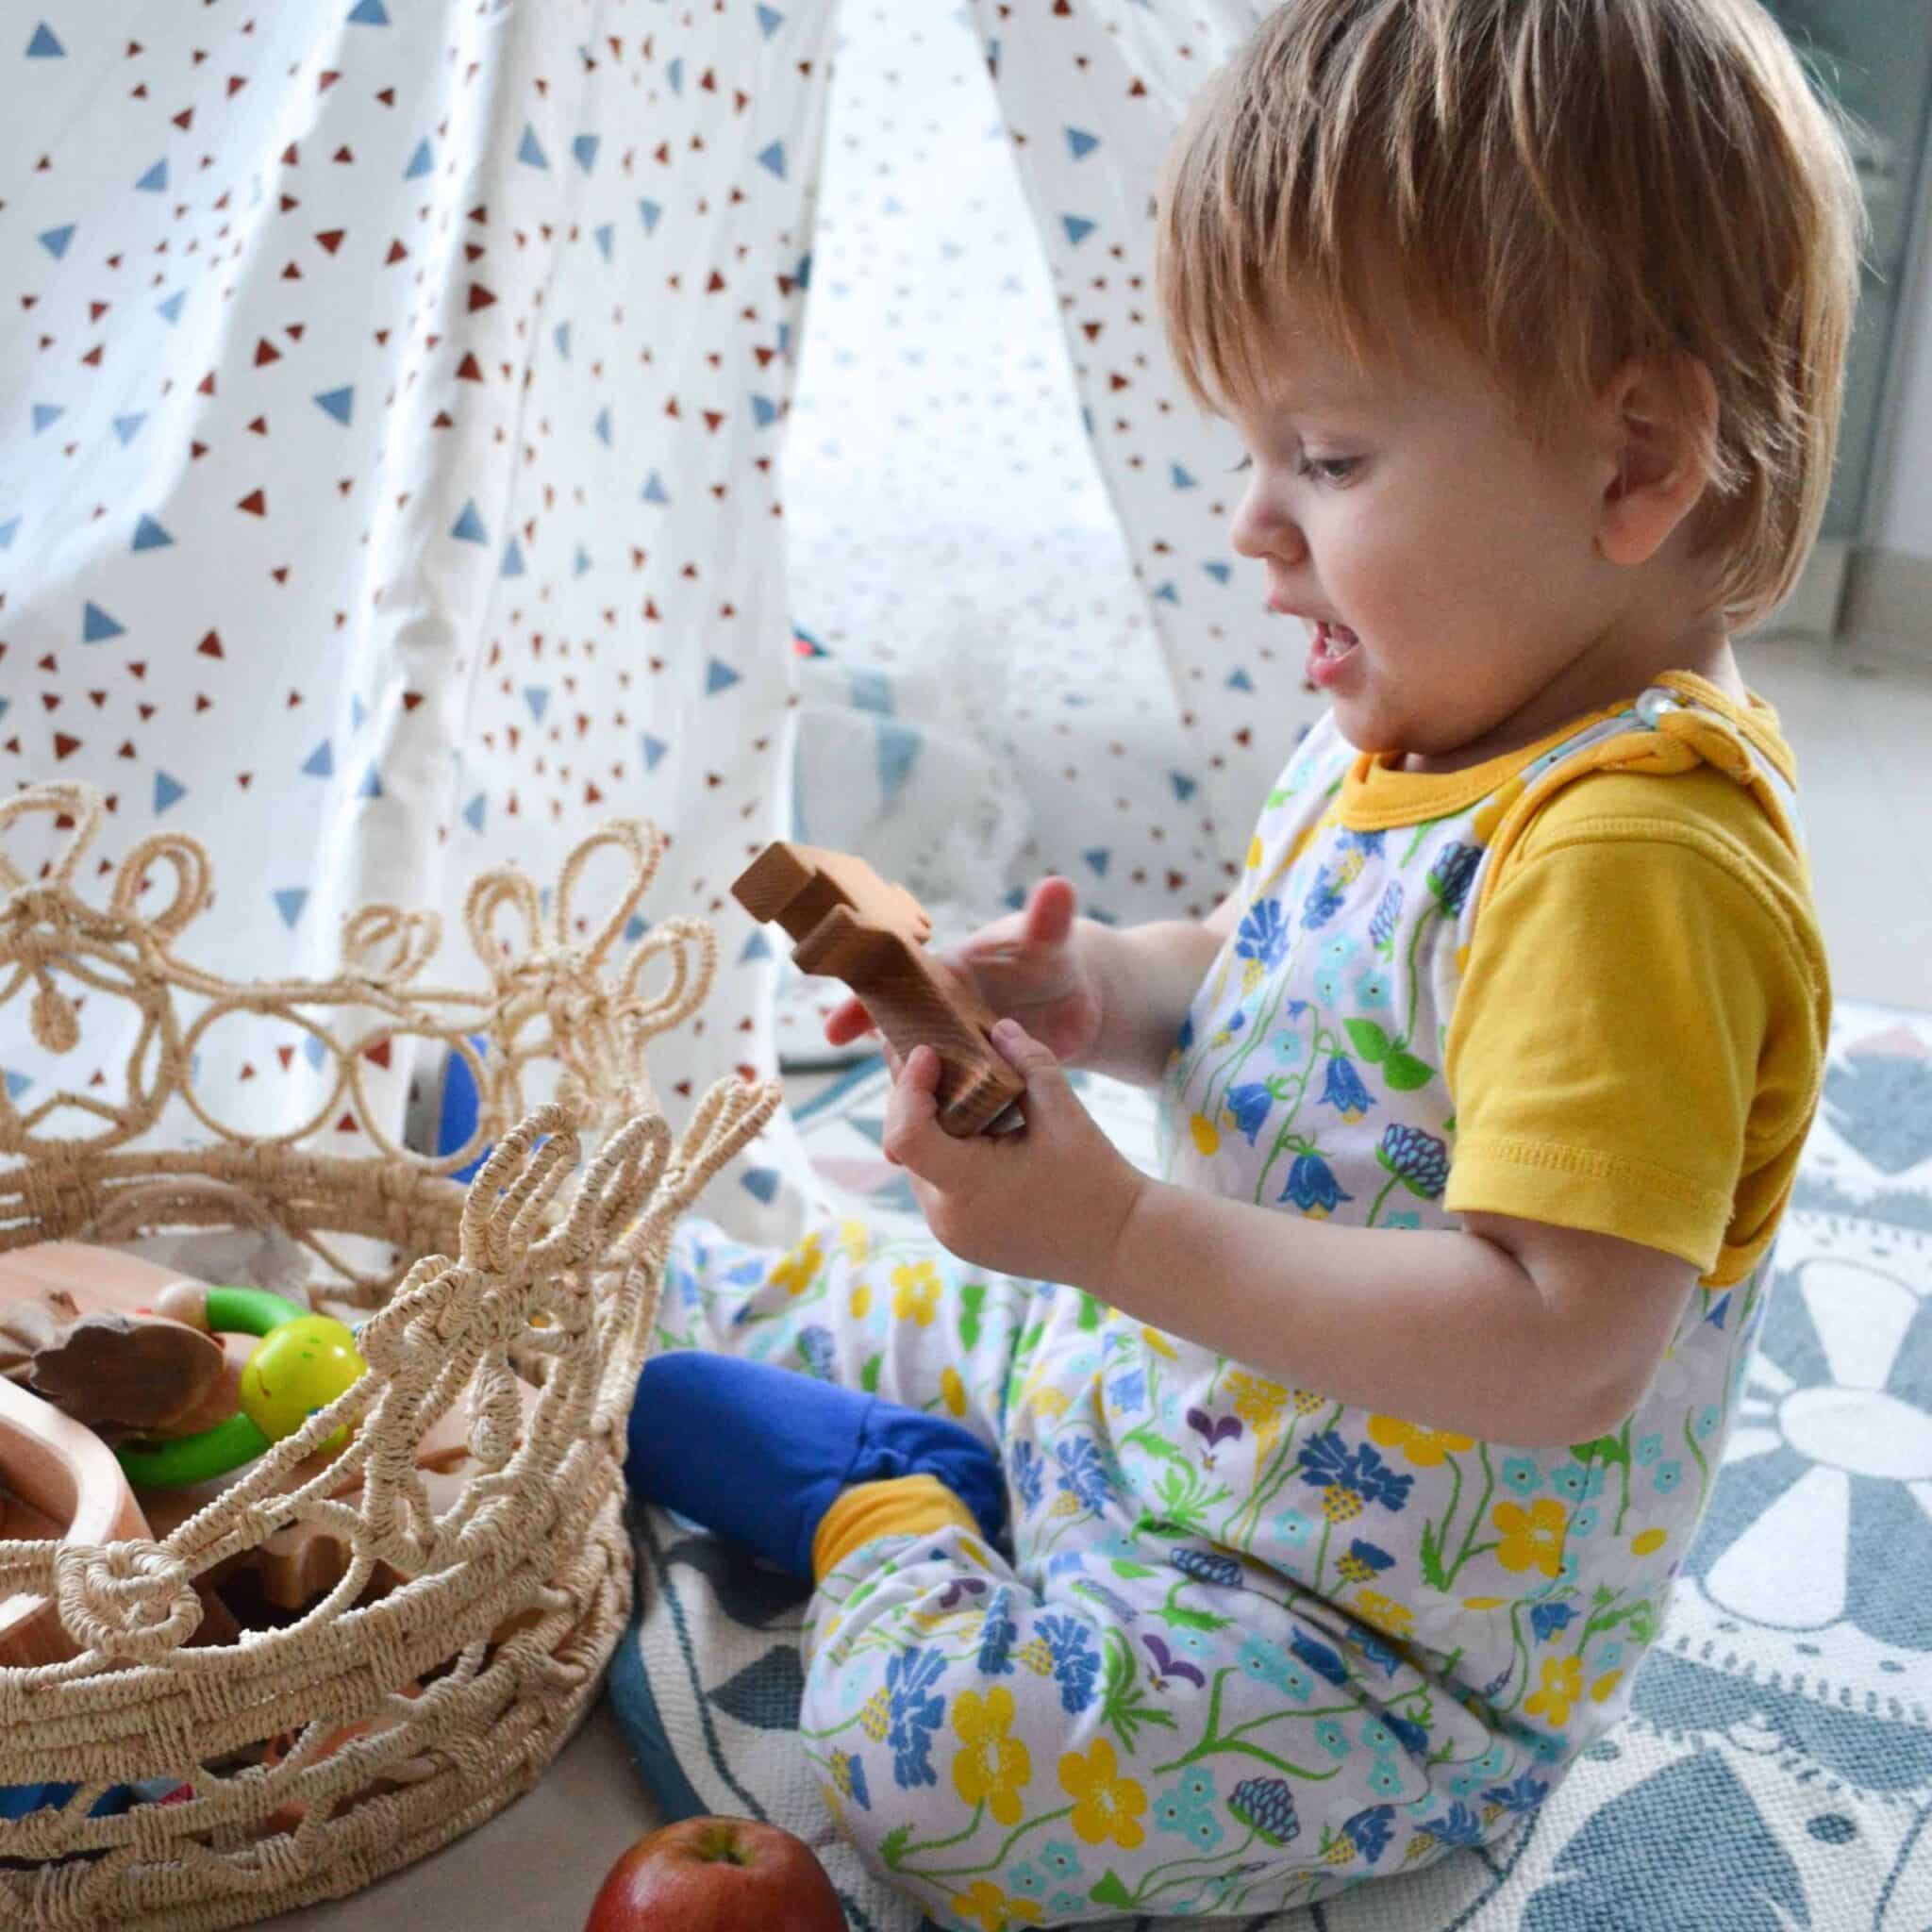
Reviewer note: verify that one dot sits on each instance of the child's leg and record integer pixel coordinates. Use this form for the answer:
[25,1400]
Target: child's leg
[783,1379]
[1008,1759]
[896,1317]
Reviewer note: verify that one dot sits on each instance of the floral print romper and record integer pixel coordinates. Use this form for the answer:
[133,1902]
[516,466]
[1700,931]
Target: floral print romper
[1250,1644]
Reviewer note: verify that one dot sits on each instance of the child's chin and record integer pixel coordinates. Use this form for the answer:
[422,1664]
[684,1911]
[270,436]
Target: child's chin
[1365,726]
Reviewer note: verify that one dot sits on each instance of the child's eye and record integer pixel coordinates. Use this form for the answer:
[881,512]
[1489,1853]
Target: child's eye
[1245,463]
[1330,469]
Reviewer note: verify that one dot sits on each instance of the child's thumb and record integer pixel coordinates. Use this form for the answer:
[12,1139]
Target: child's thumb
[1049,1095]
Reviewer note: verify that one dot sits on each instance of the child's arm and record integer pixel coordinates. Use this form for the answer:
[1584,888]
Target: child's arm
[1506,1329]
[1147,977]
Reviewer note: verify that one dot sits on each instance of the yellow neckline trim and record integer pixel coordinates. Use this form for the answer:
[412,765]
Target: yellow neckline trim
[1377,795]
[1756,720]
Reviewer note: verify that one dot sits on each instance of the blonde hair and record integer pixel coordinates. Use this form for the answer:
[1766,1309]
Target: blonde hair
[1567,184]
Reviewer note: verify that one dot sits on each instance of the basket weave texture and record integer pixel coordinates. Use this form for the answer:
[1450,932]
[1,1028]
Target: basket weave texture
[405,1719]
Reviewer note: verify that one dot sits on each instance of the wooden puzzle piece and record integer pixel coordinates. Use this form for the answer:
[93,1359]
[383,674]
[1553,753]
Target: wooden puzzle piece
[61,1480]
[846,922]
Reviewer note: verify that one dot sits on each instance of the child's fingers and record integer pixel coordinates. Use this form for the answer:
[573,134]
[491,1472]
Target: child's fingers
[847,1023]
[1050,912]
[912,1113]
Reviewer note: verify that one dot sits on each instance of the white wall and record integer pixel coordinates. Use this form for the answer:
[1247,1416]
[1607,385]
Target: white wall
[1901,512]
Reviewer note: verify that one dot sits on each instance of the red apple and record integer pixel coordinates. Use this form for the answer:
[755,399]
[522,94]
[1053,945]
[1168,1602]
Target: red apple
[717,1875]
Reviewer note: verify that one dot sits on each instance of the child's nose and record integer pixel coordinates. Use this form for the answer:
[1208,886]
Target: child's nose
[1263,530]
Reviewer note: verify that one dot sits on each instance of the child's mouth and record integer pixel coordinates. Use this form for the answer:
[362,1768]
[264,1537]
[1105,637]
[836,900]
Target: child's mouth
[1334,646]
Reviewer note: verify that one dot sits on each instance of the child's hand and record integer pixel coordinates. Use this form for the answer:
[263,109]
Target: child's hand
[1028,967]
[1047,1201]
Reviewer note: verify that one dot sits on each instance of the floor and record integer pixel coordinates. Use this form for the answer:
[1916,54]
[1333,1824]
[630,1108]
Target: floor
[1862,729]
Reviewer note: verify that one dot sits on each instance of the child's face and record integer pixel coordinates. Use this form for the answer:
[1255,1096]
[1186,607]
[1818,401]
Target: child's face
[1446,558]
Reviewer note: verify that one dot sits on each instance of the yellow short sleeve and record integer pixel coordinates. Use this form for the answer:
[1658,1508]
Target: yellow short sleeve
[1639,1043]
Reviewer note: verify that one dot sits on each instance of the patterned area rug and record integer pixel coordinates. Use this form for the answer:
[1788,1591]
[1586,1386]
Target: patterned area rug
[1777,1771]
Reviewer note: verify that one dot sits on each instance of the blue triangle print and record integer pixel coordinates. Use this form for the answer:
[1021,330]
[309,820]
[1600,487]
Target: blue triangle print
[125,426]
[469,527]
[155,179]
[1181,478]
[1239,679]
[605,238]
[421,162]
[719,676]
[148,535]
[530,150]
[44,47]
[368,13]
[7,530]
[55,241]
[601,427]
[512,559]
[1184,787]
[654,491]
[17,1084]
[655,749]
[770,21]
[635,928]
[1077,226]
[537,697]
[290,902]
[1221,572]
[321,762]
[1099,859]
[772,157]
[359,711]
[1167,593]
[96,626]
[46,413]
[585,148]
[582,563]
[170,310]
[761,1182]
[673,72]
[563,340]
[764,411]
[1081,143]
[756,947]
[314,1052]
[166,792]
[872,690]
[338,403]
[898,748]
[473,813]
[652,213]
[371,786]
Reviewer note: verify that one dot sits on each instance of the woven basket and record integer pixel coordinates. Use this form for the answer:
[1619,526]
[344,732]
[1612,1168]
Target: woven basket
[405,1719]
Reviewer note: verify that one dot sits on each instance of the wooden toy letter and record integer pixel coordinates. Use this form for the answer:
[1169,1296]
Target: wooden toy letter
[847,921]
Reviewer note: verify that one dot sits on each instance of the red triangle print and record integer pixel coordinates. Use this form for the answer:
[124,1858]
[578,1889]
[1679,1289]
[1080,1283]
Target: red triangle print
[469,369]
[265,351]
[331,239]
[211,646]
[480,297]
[255,503]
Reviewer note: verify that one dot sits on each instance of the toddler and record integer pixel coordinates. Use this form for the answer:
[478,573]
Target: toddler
[1203,1544]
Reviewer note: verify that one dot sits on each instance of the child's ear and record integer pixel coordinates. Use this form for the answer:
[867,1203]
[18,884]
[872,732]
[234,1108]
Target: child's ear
[1659,430]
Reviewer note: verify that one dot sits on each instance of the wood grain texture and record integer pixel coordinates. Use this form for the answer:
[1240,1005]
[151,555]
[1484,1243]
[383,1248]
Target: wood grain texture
[847,922]
[63,1475]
